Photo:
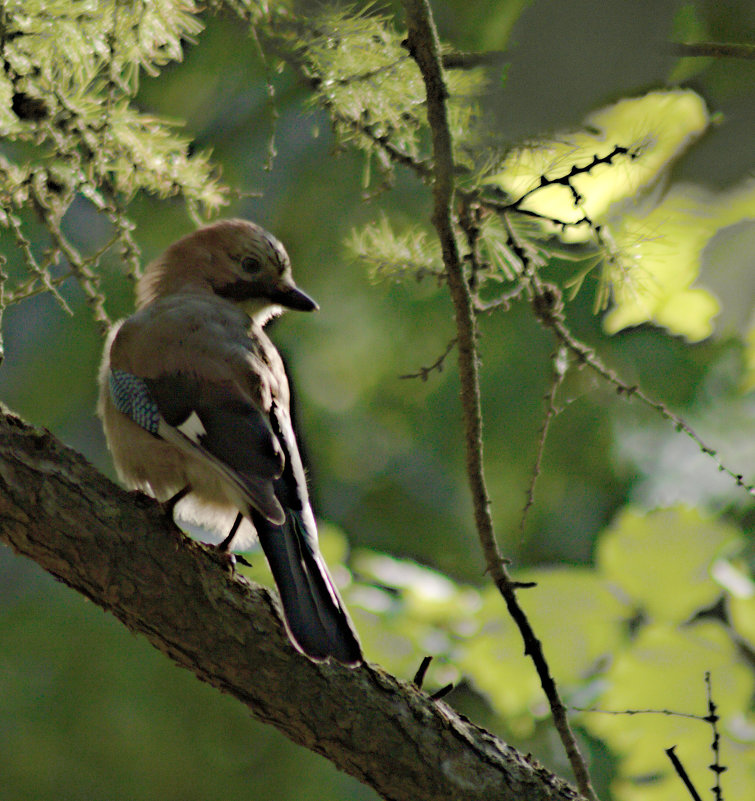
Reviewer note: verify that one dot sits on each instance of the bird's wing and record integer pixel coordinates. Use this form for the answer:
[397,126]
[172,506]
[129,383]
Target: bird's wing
[211,423]
[185,369]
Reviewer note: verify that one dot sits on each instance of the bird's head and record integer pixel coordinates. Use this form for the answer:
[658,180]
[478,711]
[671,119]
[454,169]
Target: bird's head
[234,259]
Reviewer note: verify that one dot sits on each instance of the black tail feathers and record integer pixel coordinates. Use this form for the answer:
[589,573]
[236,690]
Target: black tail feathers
[316,618]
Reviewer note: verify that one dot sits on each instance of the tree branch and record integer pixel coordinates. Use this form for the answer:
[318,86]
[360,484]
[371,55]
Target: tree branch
[466,61]
[560,367]
[713,50]
[424,47]
[119,550]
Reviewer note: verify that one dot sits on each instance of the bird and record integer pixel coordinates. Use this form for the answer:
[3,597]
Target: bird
[195,401]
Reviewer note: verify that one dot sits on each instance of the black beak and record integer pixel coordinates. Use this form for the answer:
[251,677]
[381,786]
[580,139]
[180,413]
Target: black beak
[293,298]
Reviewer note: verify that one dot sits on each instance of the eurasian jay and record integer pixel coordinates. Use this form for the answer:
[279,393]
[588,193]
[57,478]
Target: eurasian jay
[194,400]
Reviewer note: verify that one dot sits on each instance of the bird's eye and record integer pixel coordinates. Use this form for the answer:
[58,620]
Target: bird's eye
[250,264]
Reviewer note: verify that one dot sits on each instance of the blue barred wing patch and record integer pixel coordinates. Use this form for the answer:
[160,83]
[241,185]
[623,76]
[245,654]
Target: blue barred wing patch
[131,397]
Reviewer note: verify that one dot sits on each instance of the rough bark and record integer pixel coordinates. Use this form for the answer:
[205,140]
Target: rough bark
[120,551]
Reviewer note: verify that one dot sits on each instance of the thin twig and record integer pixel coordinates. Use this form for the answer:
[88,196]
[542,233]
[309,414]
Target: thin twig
[272,150]
[713,50]
[587,356]
[39,273]
[419,676]
[466,61]
[503,301]
[88,280]
[424,47]
[713,718]
[682,773]
[424,372]
[669,712]
[560,367]
[565,180]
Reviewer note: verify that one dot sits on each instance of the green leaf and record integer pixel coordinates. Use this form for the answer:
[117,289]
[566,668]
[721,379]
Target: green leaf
[395,256]
[664,670]
[661,560]
[742,612]
[578,606]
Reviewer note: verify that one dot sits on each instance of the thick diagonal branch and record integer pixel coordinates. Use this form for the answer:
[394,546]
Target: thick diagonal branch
[118,549]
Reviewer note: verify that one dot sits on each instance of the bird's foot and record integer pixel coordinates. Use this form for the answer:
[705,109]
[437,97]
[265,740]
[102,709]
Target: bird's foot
[225,545]
[169,506]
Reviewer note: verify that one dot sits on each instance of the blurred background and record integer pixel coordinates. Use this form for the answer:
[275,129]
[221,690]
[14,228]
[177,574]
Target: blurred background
[88,711]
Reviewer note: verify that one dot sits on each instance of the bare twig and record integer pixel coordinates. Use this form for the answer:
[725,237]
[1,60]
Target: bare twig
[424,47]
[713,718]
[565,180]
[442,692]
[586,355]
[560,367]
[424,372]
[682,773]
[669,712]
[419,676]
[713,50]
[466,61]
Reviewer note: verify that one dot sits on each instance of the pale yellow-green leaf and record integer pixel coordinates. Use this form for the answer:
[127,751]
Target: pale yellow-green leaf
[662,560]
[659,258]
[658,261]
[742,612]
[664,669]
[655,128]
[577,616]
[405,611]
[494,662]
[427,593]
